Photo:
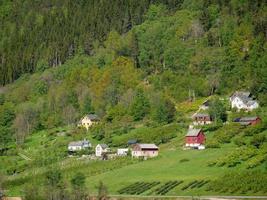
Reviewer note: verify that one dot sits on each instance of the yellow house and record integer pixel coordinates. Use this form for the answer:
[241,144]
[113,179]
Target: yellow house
[88,120]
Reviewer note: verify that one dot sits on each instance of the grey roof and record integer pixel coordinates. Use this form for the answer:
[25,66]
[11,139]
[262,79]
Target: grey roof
[241,93]
[132,141]
[244,123]
[247,119]
[93,117]
[148,146]
[79,143]
[193,132]
[201,115]
[245,97]
[104,146]
[76,143]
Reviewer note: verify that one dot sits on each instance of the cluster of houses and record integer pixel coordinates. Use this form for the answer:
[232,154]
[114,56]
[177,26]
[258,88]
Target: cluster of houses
[102,150]
[195,137]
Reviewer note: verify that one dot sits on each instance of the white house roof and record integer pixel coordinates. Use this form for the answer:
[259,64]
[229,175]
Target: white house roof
[148,146]
[245,97]
[79,143]
[193,132]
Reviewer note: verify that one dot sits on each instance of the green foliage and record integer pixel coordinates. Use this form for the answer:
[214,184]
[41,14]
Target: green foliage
[164,111]
[140,106]
[217,110]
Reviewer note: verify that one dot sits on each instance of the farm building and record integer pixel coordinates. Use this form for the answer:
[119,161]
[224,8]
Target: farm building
[194,138]
[145,150]
[122,152]
[246,121]
[201,119]
[243,100]
[79,145]
[100,149]
[88,120]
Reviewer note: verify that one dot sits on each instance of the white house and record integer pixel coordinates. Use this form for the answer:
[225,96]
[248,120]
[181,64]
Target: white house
[145,150]
[88,120]
[243,100]
[79,145]
[122,152]
[100,149]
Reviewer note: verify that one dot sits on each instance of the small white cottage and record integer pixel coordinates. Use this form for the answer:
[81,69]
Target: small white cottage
[100,149]
[88,120]
[122,152]
[243,100]
[79,145]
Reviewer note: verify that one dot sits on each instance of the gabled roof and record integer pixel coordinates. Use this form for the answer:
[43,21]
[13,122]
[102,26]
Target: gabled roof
[201,115]
[148,146]
[247,119]
[79,143]
[132,141]
[76,143]
[245,97]
[93,117]
[241,94]
[193,132]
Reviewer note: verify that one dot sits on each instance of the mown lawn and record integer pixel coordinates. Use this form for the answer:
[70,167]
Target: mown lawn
[166,167]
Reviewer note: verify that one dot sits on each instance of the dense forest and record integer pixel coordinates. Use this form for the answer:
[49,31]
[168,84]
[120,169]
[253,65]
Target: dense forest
[36,33]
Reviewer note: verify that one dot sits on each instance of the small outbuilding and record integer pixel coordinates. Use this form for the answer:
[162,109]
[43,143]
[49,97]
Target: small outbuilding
[88,120]
[201,119]
[194,138]
[246,121]
[145,150]
[122,152]
[100,149]
[79,145]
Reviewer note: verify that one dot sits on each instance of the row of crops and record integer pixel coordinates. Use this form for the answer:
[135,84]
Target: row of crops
[138,188]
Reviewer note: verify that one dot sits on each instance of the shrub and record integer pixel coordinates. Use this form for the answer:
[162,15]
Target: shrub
[184,160]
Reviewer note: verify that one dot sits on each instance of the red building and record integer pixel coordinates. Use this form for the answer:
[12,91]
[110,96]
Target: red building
[246,121]
[201,119]
[194,138]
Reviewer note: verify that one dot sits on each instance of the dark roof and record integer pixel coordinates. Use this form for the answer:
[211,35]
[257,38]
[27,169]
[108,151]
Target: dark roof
[104,146]
[206,103]
[92,117]
[193,132]
[132,141]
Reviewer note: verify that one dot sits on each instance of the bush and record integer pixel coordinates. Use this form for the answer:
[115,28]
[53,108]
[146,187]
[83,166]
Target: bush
[212,144]
[184,160]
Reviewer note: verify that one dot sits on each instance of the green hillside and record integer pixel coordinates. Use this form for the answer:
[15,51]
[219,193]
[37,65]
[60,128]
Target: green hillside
[144,68]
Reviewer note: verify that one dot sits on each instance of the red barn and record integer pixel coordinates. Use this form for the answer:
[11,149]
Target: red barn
[249,121]
[194,138]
